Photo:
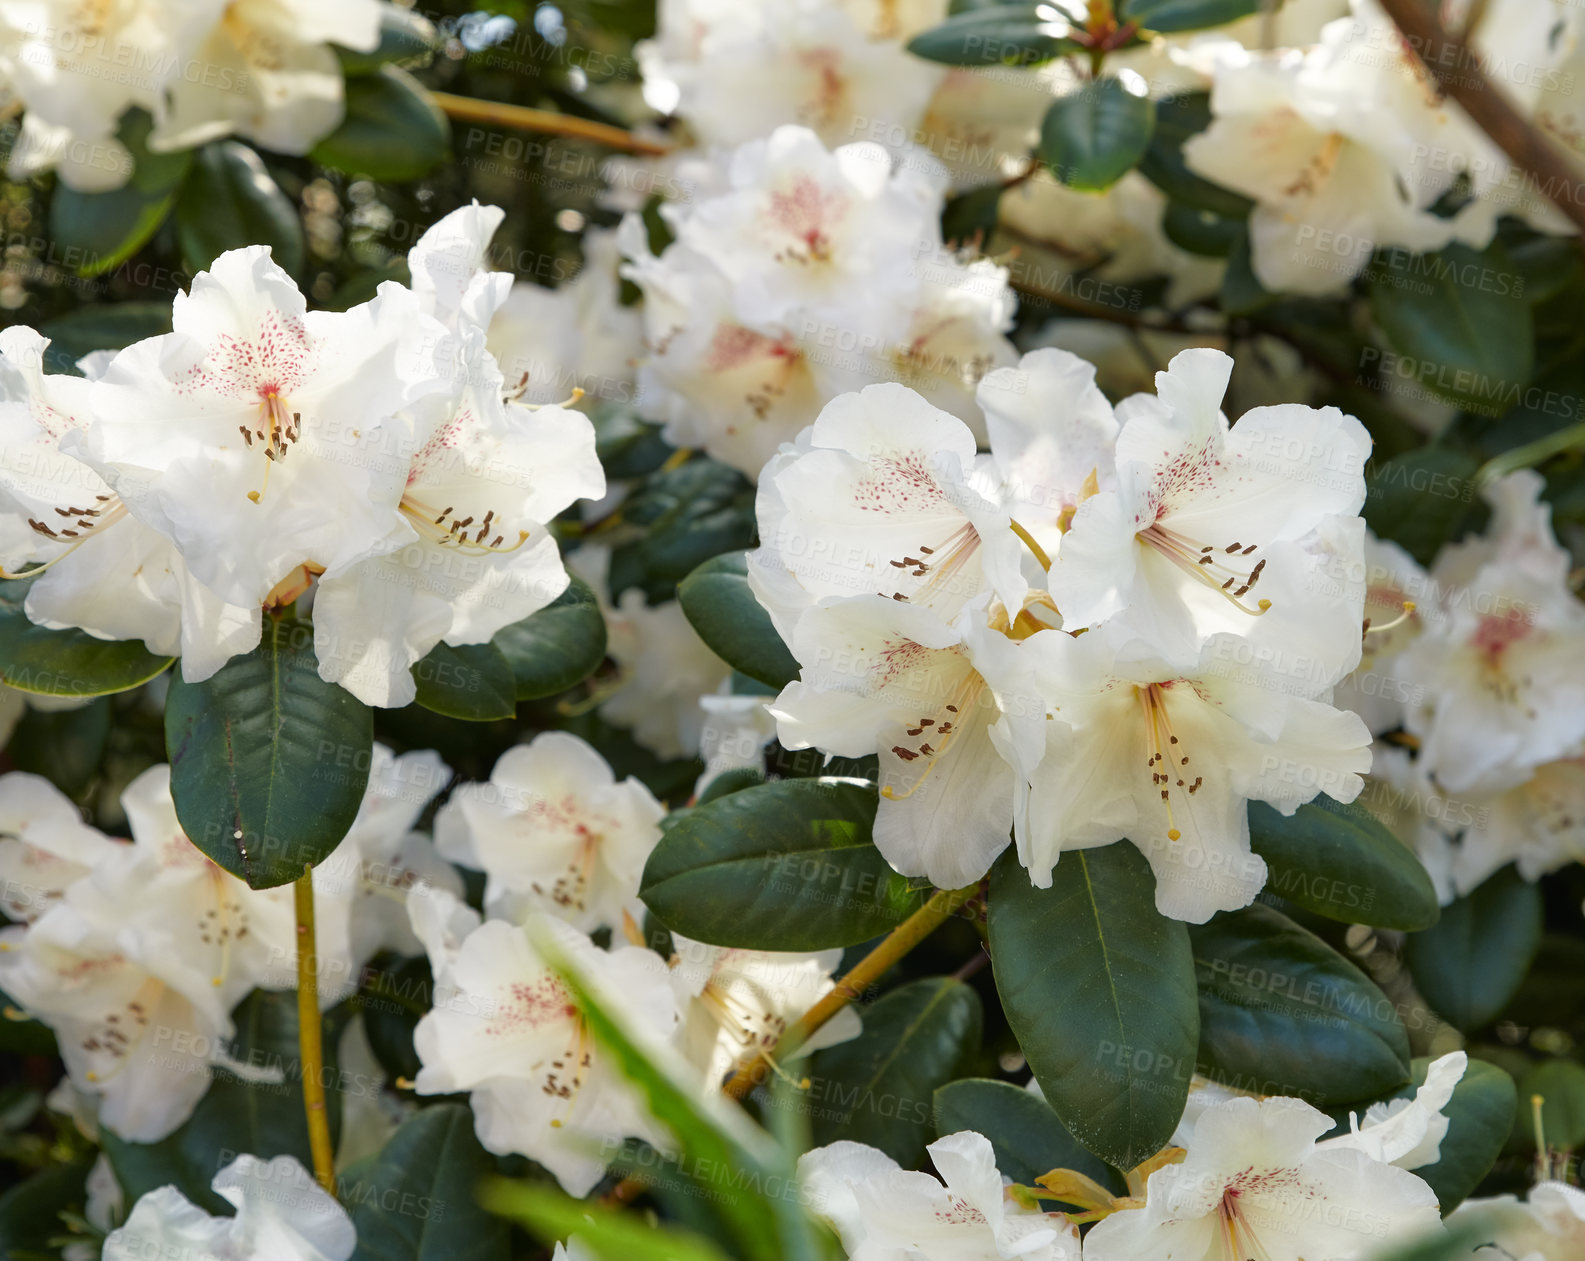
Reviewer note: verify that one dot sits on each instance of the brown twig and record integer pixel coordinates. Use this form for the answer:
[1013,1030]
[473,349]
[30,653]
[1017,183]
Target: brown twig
[1457,71]
[521,118]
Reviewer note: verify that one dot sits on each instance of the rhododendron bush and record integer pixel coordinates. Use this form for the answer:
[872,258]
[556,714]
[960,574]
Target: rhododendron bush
[715,630]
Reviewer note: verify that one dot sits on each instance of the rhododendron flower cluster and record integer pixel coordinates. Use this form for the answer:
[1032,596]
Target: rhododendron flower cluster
[1119,623]
[376,454]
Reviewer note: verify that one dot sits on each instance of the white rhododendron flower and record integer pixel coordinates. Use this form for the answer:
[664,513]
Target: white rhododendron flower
[735,70]
[738,1003]
[1213,525]
[663,667]
[259,436]
[282,1215]
[554,831]
[99,567]
[1497,677]
[138,964]
[1133,748]
[880,496]
[881,1211]
[473,552]
[1548,1226]
[1331,143]
[577,336]
[886,677]
[811,273]
[45,847]
[1256,1183]
[269,74]
[361,887]
[1408,1132]
[505,1029]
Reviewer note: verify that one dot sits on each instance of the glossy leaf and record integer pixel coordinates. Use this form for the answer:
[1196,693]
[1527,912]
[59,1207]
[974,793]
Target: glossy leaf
[1472,961]
[31,1208]
[415,1200]
[687,514]
[391,131]
[66,746]
[1418,500]
[1178,117]
[878,1088]
[66,662]
[473,682]
[1480,1115]
[1561,1085]
[97,232]
[1028,1137]
[787,865]
[1091,138]
[1461,321]
[268,761]
[1282,1013]
[558,647]
[1341,862]
[228,201]
[997,35]
[1098,987]
[718,603]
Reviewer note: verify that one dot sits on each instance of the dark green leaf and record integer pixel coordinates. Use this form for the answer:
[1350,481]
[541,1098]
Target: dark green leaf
[1201,231]
[95,232]
[405,37]
[877,1088]
[1177,118]
[1418,499]
[1098,987]
[787,865]
[997,35]
[474,682]
[268,761]
[228,201]
[415,1201]
[1480,1115]
[1341,862]
[728,782]
[1461,322]
[1282,1013]
[1471,961]
[66,662]
[1093,137]
[393,997]
[392,130]
[1185,15]
[558,647]
[688,514]
[107,326]
[1028,1137]
[265,1118]
[718,603]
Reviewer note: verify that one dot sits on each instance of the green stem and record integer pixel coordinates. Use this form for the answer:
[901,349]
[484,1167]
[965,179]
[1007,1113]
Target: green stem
[310,1034]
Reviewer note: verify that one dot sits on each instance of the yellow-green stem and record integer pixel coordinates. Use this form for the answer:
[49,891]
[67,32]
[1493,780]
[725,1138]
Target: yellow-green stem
[522,118]
[310,1046]
[913,930]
